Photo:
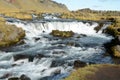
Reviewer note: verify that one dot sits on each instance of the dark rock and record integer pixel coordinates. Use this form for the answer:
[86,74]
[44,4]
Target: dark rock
[56,63]
[40,56]
[99,27]
[36,39]
[56,72]
[79,64]
[14,78]
[23,56]
[24,77]
[58,52]
[118,29]
[6,75]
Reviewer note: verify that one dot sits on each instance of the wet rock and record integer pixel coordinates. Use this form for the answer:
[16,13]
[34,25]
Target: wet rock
[24,77]
[14,78]
[23,56]
[99,27]
[75,44]
[56,63]
[6,75]
[79,64]
[59,52]
[56,72]
[40,56]
[83,35]
[36,39]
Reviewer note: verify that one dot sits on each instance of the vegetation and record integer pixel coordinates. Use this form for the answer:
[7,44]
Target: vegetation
[96,72]
[9,34]
[62,34]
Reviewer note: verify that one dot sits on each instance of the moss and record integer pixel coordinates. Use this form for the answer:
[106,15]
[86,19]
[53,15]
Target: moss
[10,34]
[115,51]
[62,34]
[96,72]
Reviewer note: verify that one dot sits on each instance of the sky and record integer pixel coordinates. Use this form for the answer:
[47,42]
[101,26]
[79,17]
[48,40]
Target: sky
[92,4]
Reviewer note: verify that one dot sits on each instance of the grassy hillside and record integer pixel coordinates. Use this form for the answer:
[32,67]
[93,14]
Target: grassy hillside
[31,5]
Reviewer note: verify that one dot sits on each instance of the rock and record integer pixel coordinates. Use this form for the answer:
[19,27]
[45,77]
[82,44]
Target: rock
[99,26]
[36,39]
[56,72]
[6,75]
[24,77]
[14,78]
[79,64]
[23,56]
[58,52]
[40,56]
[10,34]
[62,34]
[113,47]
[56,63]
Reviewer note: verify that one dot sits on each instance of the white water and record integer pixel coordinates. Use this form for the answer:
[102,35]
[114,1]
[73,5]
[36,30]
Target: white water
[89,49]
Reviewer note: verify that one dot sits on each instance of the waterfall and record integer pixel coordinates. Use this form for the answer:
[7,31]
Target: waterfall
[54,51]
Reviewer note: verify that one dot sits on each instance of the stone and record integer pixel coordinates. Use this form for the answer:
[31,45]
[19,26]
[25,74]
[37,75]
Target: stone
[79,64]
[24,77]
[6,75]
[23,56]
[13,78]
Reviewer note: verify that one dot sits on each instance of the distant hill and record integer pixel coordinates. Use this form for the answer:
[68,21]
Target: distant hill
[32,5]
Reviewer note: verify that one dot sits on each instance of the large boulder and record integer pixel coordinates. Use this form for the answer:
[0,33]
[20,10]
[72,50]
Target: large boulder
[62,34]
[10,34]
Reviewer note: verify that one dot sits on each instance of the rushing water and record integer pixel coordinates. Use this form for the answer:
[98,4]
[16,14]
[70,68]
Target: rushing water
[57,54]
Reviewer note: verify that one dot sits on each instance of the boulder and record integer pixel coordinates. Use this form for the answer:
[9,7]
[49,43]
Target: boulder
[24,77]
[13,78]
[79,64]
[23,56]
[62,34]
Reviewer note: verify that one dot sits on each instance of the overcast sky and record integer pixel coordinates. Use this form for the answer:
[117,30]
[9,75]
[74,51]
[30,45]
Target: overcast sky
[92,4]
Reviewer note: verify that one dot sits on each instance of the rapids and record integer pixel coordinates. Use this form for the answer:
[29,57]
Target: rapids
[53,56]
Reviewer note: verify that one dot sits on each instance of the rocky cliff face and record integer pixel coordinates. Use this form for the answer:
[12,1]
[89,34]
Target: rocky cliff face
[32,5]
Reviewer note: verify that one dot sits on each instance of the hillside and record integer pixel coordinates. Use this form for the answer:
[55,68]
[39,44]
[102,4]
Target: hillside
[31,5]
